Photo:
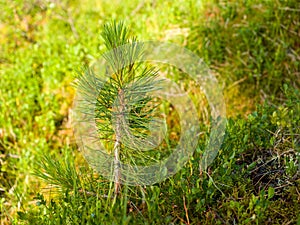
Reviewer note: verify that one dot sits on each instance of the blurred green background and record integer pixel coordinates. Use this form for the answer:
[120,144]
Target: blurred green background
[252,47]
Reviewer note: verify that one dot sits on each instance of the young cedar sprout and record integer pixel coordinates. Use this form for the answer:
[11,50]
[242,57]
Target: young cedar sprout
[124,110]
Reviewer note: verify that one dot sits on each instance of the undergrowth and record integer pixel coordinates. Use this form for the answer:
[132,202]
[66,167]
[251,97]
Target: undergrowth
[251,46]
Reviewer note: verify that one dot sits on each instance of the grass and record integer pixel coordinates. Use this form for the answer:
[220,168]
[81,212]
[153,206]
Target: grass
[251,46]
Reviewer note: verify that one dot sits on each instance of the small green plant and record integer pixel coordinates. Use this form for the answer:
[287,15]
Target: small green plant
[123,108]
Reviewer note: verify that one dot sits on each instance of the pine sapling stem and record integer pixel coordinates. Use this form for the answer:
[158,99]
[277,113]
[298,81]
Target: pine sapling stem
[119,118]
[117,173]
